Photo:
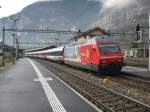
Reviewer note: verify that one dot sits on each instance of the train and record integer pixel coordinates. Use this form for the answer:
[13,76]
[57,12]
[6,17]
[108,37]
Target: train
[98,54]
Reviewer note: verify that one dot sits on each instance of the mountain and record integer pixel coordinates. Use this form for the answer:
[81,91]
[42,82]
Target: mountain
[55,15]
[125,18]
[78,14]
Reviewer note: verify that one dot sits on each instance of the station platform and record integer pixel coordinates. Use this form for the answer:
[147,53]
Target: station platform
[29,87]
[137,71]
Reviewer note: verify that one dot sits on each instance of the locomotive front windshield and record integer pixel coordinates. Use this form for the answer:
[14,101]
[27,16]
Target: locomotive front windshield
[108,48]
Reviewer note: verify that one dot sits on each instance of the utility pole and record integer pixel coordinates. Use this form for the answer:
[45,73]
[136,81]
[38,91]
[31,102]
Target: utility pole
[17,48]
[3,44]
[149,44]
[15,37]
[14,50]
[59,39]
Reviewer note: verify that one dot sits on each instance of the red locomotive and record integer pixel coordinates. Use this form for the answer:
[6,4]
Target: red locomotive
[95,54]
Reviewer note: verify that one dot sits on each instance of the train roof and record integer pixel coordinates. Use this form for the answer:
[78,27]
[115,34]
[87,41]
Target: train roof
[41,49]
[101,39]
[48,50]
[93,39]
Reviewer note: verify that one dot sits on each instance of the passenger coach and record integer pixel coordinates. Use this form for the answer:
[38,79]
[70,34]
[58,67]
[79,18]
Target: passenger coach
[54,54]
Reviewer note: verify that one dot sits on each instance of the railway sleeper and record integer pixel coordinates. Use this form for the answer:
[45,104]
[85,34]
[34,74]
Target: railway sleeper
[140,109]
[110,100]
[112,104]
[84,84]
[93,92]
[125,107]
[107,97]
[117,103]
[78,83]
[88,88]
[99,95]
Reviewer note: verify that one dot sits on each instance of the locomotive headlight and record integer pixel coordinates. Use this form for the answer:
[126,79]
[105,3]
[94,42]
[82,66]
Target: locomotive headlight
[104,61]
[120,60]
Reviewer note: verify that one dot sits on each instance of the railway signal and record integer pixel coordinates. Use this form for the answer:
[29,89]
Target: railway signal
[79,31]
[138,37]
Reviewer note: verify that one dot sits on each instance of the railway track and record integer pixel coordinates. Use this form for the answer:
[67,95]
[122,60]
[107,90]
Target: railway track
[132,81]
[106,99]
[122,78]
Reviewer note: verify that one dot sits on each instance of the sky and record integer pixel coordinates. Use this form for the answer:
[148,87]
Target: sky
[9,7]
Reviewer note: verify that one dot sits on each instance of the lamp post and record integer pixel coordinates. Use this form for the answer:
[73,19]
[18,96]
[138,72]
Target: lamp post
[3,43]
[15,36]
[14,41]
